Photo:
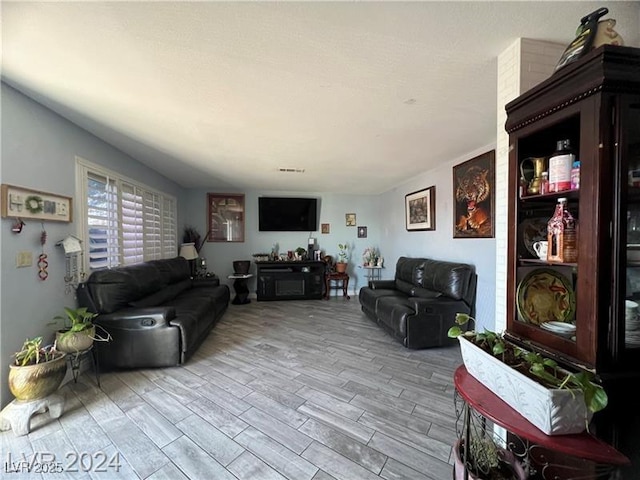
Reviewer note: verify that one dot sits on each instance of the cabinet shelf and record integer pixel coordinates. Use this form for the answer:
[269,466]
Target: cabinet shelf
[537,261]
[570,194]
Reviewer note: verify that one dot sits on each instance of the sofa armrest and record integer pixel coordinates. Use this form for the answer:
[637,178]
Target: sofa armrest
[385,284]
[443,305]
[137,318]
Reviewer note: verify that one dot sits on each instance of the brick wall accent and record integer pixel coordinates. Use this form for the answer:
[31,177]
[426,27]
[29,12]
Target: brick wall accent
[521,66]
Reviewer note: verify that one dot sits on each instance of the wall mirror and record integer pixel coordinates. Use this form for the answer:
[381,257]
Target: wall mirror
[226,217]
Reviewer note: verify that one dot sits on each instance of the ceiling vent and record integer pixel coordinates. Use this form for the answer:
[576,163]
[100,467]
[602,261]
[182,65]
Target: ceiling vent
[290,170]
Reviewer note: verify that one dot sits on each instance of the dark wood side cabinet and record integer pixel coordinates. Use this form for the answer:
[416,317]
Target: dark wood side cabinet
[296,280]
[595,103]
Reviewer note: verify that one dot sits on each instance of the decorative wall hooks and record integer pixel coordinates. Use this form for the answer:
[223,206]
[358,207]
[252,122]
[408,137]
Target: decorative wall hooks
[17,226]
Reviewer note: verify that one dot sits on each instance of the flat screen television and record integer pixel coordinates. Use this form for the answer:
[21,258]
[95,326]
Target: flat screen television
[287,214]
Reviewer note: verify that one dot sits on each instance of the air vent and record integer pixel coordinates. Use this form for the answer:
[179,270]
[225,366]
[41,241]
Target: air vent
[290,170]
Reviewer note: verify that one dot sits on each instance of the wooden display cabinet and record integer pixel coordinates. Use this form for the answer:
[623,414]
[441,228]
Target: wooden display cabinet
[595,103]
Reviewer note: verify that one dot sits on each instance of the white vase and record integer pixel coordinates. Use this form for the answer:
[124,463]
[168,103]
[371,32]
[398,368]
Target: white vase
[554,411]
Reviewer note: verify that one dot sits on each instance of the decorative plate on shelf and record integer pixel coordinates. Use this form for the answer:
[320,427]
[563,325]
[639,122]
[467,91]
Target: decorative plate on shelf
[532,230]
[567,330]
[545,295]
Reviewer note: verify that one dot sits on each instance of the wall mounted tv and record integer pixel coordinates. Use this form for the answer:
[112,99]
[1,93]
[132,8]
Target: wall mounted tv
[287,214]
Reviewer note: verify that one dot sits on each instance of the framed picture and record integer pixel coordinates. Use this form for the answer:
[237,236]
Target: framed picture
[325,228]
[25,203]
[350,219]
[225,217]
[474,197]
[420,209]
[362,232]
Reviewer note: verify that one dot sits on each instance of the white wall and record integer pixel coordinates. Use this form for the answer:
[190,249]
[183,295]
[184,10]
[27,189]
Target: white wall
[521,66]
[439,244]
[38,152]
[332,210]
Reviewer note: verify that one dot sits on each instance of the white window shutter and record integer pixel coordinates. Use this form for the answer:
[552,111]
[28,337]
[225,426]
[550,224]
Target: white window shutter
[169,228]
[152,226]
[131,224]
[102,222]
[125,222]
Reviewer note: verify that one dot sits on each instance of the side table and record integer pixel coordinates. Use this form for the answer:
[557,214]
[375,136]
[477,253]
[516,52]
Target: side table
[545,457]
[372,273]
[336,277]
[241,288]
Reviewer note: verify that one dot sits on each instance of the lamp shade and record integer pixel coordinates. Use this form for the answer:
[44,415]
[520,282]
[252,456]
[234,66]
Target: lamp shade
[188,251]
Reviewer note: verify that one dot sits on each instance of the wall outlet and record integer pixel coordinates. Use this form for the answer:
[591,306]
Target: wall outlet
[24,259]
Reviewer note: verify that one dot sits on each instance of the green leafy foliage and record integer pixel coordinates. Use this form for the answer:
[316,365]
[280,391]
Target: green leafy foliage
[343,252]
[543,369]
[32,352]
[77,319]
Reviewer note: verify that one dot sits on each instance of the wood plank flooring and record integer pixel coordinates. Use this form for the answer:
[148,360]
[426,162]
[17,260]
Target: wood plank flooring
[298,390]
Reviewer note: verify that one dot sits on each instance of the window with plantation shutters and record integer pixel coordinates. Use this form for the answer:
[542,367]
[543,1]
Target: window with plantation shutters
[125,222]
[169,226]
[101,221]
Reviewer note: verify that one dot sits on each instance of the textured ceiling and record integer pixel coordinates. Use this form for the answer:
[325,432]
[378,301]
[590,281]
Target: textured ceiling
[362,96]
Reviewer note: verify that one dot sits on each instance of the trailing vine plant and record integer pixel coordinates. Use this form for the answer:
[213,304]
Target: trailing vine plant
[545,370]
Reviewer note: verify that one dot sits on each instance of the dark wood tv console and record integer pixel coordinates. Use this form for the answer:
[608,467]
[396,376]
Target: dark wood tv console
[295,280]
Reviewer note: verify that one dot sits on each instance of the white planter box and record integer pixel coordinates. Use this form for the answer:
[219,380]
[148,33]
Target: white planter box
[555,412]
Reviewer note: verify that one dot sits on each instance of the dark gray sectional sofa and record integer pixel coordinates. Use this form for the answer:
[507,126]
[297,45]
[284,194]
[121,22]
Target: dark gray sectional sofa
[156,313]
[419,305]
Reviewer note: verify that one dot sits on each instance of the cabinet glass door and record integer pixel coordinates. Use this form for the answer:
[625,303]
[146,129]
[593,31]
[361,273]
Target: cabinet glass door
[630,230]
[547,309]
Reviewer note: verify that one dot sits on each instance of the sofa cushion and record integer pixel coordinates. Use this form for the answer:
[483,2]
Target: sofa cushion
[173,269]
[410,270]
[405,287]
[393,311]
[163,296]
[450,278]
[369,297]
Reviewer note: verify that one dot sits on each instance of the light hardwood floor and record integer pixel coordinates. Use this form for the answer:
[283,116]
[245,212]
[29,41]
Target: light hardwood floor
[293,390]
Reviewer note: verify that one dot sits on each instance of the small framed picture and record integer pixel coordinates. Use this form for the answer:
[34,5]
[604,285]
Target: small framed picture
[420,209]
[350,219]
[325,228]
[362,232]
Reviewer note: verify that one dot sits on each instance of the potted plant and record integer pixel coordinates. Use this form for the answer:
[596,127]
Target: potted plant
[301,253]
[370,257]
[485,460]
[36,371]
[558,401]
[341,264]
[79,331]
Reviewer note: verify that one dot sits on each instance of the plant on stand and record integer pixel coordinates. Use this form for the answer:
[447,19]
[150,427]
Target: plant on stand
[79,331]
[485,460]
[559,401]
[370,256]
[343,252]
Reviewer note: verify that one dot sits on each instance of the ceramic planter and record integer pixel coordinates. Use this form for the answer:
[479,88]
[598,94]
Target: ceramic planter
[76,341]
[554,411]
[33,382]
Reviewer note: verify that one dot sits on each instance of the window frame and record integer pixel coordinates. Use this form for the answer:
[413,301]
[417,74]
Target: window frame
[157,213]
